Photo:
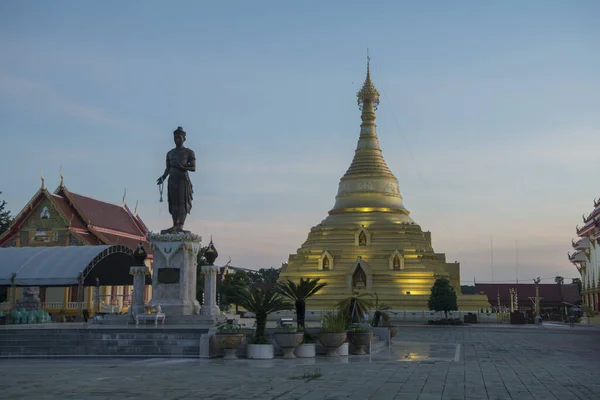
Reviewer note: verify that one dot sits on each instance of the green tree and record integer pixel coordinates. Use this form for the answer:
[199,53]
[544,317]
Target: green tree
[5,218]
[299,293]
[443,297]
[467,289]
[230,287]
[577,281]
[559,280]
[261,303]
[265,275]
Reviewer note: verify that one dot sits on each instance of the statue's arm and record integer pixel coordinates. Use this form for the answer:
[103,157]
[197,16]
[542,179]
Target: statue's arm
[161,179]
[167,168]
[191,162]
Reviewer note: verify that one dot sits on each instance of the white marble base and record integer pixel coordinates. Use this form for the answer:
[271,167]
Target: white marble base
[177,253]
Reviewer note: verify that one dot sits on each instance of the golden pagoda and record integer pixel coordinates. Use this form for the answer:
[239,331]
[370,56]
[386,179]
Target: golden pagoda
[368,242]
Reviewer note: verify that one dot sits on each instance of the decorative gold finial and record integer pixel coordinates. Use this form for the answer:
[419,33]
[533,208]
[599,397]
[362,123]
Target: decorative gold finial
[124,195]
[62,179]
[42,178]
[368,92]
[136,206]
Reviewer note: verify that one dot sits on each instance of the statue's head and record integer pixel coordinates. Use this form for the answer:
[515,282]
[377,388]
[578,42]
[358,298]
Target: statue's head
[179,136]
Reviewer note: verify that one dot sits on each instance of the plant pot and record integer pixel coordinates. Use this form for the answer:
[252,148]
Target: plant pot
[230,342]
[306,350]
[331,341]
[343,349]
[260,351]
[359,340]
[288,341]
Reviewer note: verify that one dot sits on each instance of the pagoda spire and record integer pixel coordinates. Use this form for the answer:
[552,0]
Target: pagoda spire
[368,185]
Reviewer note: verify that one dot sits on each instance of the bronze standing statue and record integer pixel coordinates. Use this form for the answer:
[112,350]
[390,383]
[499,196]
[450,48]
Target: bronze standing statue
[180,160]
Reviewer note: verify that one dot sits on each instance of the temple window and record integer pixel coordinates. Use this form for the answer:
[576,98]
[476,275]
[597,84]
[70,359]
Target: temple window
[396,263]
[326,261]
[362,237]
[359,278]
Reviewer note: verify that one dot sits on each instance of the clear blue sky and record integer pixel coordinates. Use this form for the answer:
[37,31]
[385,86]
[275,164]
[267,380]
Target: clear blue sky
[489,115]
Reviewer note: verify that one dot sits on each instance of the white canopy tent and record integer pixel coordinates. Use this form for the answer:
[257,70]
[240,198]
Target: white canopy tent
[66,266]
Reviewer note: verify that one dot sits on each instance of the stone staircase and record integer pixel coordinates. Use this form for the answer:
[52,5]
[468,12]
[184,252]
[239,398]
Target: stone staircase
[98,341]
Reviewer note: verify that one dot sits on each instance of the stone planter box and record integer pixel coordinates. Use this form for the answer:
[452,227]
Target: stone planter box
[332,341]
[288,341]
[306,350]
[260,351]
[230,342]
[359,340]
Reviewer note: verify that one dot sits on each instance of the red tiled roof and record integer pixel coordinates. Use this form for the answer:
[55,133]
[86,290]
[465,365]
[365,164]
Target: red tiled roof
[550,293]
[95,222]
[105,215]
[71,215]
[113,239]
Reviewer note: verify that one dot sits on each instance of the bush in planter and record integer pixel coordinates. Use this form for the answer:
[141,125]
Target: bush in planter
[230,337]
[333,331]
[359,336]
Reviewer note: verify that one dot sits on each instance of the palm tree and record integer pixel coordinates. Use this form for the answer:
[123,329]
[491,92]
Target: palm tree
[299,293]
[356,306]
[380,312]
[261,302]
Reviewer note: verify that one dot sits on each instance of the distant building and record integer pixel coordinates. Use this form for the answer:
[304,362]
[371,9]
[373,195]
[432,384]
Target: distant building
[64,218]
[554,298]
[586,257]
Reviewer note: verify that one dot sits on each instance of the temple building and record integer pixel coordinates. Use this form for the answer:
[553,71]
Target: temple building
[368,242]
[64,218]
[586,257]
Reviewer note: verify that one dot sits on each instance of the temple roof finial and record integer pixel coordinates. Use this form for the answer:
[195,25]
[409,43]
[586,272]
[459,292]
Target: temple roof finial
[136,207]
[124,195]
[62,179]
[42,178]
[368,92]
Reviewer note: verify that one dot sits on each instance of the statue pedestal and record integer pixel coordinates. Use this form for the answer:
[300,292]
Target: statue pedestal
[174,273]
[139,284]
[210,307]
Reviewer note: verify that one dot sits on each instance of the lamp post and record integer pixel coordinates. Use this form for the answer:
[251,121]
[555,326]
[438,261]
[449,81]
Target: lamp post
[537,298]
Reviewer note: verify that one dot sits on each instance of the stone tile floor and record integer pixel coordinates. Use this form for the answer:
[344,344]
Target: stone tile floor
[479,362]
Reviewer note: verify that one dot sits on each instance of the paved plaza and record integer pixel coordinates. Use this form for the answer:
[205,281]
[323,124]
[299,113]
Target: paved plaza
[478,362]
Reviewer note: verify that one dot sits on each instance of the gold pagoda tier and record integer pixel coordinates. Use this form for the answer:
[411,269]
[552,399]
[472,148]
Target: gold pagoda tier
[368,243]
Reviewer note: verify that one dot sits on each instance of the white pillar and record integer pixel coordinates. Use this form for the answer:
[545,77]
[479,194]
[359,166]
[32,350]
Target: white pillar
[210,306]
[139,286]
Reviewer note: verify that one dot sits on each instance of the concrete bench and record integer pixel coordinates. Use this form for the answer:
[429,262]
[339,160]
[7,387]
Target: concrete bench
[152,317]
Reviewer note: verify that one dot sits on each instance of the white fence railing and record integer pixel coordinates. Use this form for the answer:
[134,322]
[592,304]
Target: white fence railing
[395,315]
[71,305]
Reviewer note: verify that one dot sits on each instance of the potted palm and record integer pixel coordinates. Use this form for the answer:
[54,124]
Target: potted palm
[230,337]
[298,293]
[381,317]
[356,306]
[261,302]
[288,338]
[333,332]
